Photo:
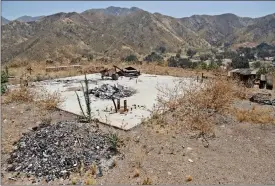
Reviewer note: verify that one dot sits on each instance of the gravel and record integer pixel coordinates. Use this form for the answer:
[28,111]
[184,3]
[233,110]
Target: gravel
[53,151]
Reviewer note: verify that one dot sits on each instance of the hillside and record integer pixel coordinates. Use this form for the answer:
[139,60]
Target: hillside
[118,32]
[29,18]
[4,21]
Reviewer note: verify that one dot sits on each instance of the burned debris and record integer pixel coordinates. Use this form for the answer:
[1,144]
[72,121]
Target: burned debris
[107,91]
[116,72]
[53,151]
[264,99]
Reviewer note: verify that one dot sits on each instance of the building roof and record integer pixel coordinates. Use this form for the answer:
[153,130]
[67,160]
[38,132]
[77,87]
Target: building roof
[245,71]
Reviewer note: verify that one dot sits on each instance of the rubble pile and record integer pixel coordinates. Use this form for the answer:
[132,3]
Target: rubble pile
[264,99]
[53,151]
[116,91]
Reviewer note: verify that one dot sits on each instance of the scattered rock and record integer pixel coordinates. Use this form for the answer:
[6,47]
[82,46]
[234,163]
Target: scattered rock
[190,160]
[169,173]
[188,148]
[189,178]
[136,173]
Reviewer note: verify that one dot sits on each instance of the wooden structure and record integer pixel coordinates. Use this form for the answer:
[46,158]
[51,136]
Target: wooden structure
[245,75]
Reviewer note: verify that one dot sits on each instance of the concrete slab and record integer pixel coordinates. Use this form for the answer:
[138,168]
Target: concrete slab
[146,97]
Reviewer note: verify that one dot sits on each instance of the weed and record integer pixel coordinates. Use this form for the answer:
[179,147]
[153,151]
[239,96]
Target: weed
[255,115]
[90,181]
[47,100]
[74,181]
[195,104]
[93,168]
[114,140]
[147,181]
[46,120]
[21,95]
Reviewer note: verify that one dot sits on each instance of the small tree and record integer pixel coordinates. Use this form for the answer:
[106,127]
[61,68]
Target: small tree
[131,58]
[161,49]
[240,62]
[190,52]
[172,62]
[257,64]
[219,57]
[4,80]
[153,57]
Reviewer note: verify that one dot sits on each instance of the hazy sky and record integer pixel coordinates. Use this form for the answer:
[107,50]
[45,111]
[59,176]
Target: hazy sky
[14,9]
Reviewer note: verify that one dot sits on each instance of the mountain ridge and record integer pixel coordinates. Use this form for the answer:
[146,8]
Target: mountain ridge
[118,32]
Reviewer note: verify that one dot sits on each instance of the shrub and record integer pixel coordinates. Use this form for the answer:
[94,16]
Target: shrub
[191,52]
[255,115]
[240,62]
[48,101]
[114,140]
[195,104]
[4,80]
[153,57]
[161,49]
[131,58]
[22,94]
[174,61]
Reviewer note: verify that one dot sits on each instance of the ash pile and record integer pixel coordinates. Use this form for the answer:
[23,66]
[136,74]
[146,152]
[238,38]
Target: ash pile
[116,91]
[53,151]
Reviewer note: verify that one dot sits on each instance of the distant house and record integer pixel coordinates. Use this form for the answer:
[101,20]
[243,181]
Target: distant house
[245,75]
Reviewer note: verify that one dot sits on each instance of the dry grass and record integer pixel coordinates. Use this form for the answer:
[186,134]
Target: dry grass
[147,181]
[39,73]
[194,104]
[43,99]
[255,115]
[47,100]
[20,95]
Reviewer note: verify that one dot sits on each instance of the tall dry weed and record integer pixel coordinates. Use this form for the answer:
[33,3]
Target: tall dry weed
[47,100]
[194,104]
[20,95]
[257,115]
[43,98]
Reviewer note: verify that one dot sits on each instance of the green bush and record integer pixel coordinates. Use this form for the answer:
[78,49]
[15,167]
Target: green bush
[4,80]
[153,57]
[131,58]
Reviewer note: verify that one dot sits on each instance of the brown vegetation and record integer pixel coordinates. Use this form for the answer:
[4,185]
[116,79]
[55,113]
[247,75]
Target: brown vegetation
[43,99]
[194,105]
[255,115]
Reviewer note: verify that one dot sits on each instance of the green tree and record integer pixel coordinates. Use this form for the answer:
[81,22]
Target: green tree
[153,57]
[161,49]
[191,52]
[240,62]
[131,58]
[257,64]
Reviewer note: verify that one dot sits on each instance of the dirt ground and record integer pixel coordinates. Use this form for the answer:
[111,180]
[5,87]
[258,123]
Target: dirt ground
[239,153]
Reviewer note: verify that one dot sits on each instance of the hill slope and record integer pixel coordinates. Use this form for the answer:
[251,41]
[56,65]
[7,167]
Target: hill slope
[118,32]
[4,21]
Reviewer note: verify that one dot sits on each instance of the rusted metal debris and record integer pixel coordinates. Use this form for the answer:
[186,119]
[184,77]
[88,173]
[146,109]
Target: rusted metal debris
[115,72]
[262,98]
